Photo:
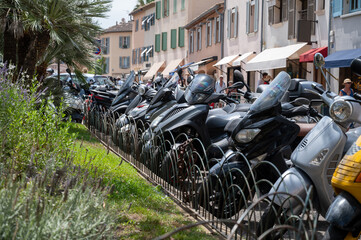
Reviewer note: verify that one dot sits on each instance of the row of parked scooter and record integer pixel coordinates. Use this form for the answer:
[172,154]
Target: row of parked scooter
[279,126]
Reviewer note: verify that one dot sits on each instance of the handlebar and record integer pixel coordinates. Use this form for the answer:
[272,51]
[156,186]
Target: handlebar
[318,88]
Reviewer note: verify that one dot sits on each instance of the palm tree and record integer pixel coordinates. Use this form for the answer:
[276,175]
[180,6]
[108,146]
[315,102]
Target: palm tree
[142,3]
[35,31]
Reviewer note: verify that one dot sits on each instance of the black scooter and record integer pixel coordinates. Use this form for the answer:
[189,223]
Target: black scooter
[262,135]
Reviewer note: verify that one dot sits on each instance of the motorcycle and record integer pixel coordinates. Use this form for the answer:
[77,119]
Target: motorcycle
[344,214]
[314,160]
[262,135]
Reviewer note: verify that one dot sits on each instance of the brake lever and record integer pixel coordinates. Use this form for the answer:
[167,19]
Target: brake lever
[313,92]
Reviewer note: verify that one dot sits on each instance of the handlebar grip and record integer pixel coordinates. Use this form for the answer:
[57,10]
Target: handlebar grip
[231,100]
[318,88]
[357,96]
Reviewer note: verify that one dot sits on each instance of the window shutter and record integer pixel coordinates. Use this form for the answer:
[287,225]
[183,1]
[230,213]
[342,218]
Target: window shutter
[270,15]
[181,37]
[168,3]
[164,41]
[173,36]
[210,34]
[229,18]
[206,35]
[128,62]
[291,19]
[163,10]
[200,38]
[337,8]
[215,30]
[157,42]
[183,5]
[284,10]
[158,10]
[311,14]
[128,42]
[256,14]
[248,6]
[107,65]
[174,6]
[235,33]
[120,42]
[120,62]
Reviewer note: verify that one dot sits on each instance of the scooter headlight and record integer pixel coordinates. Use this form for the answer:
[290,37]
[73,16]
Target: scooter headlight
[141,90]
[156,121]
[341,110]
[247,135]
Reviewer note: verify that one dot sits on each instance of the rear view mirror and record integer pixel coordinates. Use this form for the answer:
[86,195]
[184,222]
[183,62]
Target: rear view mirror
[190,71]
[238,76]
[356,66]
[319,61]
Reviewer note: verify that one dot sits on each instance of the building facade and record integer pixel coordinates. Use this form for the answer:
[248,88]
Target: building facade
[143,37]
[117,49]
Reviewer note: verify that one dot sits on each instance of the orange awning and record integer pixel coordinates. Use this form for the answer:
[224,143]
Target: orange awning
[309,55]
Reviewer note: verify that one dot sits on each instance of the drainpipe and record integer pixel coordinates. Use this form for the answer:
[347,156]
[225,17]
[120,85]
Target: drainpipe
[222,29]
[329,36]
[261,45]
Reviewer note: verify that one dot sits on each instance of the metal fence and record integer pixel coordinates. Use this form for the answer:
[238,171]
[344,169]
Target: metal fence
[232,201]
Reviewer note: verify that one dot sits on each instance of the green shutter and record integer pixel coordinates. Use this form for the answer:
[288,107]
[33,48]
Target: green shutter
[158,10]
[175,6]
[183,5]
[157,42]
[181,37]
[164,41]
[173,33]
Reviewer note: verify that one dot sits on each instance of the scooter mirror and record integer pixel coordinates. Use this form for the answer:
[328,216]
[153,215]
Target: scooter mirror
[189,80]
[190,71]
[319,60]
[238,76]
[356,66]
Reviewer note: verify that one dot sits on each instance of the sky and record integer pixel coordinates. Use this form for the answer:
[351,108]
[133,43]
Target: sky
[120,9]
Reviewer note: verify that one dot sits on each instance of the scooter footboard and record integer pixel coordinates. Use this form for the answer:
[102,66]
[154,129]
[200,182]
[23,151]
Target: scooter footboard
[290,190]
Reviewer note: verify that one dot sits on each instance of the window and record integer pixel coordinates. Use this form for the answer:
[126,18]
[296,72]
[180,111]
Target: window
[124,42]
[136,25]
[173,40]
[105,45]
[337,8]
[165,8]
[174,6]
[232,22]
[217,33]
[321,5]
[164,41]
[355,5]
[199,38]
[209,33]
[149,52]
[180,37]
[158,9]
[134,61]
[191,41]
[252,16]
[278,12]
[106,67]
[144,56]
[183,4]
[126,62]
[157,42]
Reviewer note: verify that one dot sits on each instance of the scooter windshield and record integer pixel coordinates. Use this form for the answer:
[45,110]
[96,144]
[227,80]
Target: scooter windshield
[172,83]
[273,93]
[128,83]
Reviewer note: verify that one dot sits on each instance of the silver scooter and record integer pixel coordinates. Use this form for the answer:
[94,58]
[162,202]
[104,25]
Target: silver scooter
[314,160]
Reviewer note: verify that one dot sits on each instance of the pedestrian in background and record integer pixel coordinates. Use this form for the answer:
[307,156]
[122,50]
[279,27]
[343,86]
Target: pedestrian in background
[266,79]
[220,85]
[347,90]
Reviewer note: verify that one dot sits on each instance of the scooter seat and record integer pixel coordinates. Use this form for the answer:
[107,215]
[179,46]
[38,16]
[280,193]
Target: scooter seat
[218,118]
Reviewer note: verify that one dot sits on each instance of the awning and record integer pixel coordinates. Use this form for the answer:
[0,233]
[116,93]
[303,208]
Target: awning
[226,60]
[244,58]
[273,58]
[184,66]
[342,58]
[154,70]
[148,51]
[172,65]
[144,51]
[195,66]
[309,55]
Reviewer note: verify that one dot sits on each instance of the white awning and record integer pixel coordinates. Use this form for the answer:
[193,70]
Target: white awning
[226,60]
[154,70]
[273,58]
[142,54]
[148,51]
[171,66]
[150,18]
[144,20]
[244,58]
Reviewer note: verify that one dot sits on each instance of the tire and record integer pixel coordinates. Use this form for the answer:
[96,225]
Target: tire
[214,197]
[334,233]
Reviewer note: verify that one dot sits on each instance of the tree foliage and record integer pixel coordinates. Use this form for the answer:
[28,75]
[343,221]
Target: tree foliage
[33,32]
